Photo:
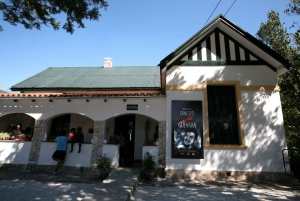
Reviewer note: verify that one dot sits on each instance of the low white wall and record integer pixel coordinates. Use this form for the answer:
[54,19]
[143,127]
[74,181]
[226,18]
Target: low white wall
[82,159]
[14,152]
[111,151]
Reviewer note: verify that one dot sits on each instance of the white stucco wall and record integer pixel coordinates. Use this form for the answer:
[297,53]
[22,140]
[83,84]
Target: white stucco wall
[82,159]
[95,109]
[14,152]
[113,152]
[262,116]
[85,113]
[246,75]
[140,134]
[109,128]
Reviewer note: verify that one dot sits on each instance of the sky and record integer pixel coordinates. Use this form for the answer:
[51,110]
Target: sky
[132,33]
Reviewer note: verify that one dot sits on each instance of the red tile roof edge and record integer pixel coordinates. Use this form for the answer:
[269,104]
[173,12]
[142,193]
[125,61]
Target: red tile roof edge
[78,95]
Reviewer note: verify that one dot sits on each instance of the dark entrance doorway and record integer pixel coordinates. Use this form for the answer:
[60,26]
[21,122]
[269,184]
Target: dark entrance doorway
[126,125]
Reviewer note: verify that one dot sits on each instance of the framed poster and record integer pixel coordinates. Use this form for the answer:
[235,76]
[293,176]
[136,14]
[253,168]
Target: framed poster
[187,129]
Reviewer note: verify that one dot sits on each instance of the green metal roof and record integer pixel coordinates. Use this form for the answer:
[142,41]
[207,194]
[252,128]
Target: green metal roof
[93,78]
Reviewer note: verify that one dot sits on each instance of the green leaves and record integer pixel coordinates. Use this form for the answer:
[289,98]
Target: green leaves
[275,35]
[104,162]
[293,7]
[32,14]
[148,160]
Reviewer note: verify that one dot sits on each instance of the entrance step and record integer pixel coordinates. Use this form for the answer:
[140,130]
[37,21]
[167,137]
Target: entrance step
[120,185]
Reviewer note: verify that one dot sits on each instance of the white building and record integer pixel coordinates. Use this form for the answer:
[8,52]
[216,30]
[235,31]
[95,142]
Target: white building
[222,81]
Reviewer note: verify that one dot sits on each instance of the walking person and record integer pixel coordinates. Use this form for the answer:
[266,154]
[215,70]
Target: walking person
[122,143]
[61,149]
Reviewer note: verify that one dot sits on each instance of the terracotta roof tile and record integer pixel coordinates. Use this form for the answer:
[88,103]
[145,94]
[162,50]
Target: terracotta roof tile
[79,95]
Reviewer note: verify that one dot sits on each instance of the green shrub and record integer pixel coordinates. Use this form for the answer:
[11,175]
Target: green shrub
[104,162]
[148,161]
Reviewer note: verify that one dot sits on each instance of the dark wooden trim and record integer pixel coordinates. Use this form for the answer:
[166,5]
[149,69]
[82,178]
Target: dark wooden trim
[218,45]
[199,53]
[237,51]
[208,48]
[227,48]
[190,55]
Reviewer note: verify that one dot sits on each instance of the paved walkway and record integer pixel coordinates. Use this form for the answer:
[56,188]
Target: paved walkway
[168,190]
[45,186]
[125,184]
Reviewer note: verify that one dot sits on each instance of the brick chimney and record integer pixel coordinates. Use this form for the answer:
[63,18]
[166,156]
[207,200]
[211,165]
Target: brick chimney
[107,63]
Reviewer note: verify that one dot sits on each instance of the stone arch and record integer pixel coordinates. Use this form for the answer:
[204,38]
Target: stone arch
[71,120]
[140,132]
[7,119]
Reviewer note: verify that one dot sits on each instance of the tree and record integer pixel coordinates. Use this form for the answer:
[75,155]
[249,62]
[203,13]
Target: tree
[293,7]
[32,14]
[276,36]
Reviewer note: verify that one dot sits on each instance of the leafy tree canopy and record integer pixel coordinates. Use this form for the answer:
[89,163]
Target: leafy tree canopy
[293,7]
[276,36]
[32,14]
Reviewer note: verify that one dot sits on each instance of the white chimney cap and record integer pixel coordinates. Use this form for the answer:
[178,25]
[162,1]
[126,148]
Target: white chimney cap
[107,63]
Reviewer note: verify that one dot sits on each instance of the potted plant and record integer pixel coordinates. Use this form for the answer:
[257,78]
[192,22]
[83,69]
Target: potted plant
[23,137]
[4,136]
[104,165]
[150,142]
[113,139]
[51,138]
[148,164]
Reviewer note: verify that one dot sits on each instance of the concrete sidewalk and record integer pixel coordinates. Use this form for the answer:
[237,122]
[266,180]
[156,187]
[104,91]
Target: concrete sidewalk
[122,183]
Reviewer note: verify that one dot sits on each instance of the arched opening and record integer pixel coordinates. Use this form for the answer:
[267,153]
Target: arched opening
[137,129]
[25,120]
[64,123]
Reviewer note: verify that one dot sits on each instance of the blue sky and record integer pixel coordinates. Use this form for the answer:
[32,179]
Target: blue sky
[132,33]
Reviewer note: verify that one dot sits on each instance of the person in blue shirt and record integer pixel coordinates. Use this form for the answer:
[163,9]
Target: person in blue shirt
[61,149]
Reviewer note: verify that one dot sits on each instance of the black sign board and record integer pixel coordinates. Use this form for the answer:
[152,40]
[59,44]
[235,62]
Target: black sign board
[187,129]
[132,107]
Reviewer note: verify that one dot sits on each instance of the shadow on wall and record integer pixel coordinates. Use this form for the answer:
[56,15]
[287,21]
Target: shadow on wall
[263,129]
[178,78]
[264,137]
[15,152]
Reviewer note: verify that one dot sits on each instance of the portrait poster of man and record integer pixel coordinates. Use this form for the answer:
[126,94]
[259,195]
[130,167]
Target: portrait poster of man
[187,129]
